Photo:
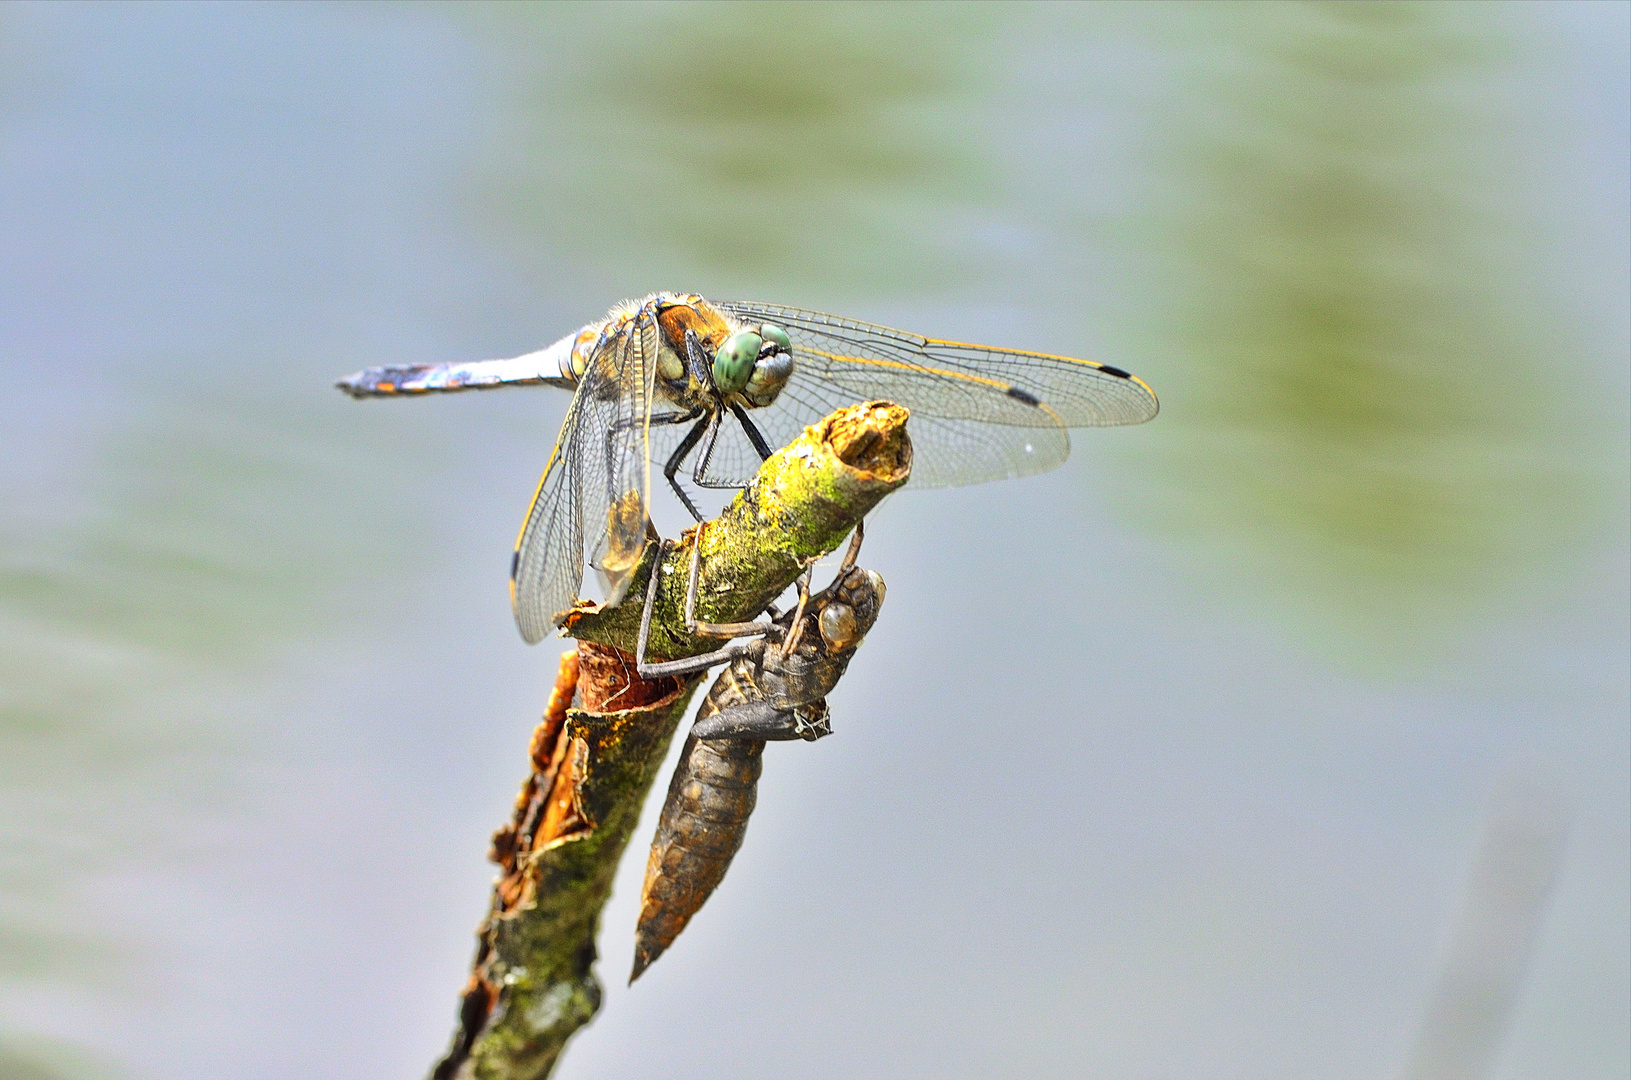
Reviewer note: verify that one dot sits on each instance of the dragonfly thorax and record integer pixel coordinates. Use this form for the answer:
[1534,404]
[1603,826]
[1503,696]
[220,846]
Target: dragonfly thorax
[705,359]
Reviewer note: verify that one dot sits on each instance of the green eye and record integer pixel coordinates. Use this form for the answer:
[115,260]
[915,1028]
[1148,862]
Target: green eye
[733,363]
[770,374]
[777,336]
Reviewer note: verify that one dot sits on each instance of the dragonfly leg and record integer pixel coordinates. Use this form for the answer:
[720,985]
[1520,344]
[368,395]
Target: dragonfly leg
[700,470]
[797,630]
[760,447]
[847,565]
[754,437]
[762,720]
[723,630]
[657,419]
[672,466]
[690,665]
[854,548]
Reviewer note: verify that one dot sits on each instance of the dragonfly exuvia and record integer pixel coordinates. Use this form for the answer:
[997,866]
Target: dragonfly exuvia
[774,690]
[675,377]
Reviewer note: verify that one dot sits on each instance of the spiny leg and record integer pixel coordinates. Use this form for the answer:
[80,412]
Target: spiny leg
[762,720]
[700,474]
[844,568]
[805,599]
[847,565]
[724,630]
[677,458]
[692,664]
[754,437]
[700,365]
[705,457]
[797,630]
[854,550]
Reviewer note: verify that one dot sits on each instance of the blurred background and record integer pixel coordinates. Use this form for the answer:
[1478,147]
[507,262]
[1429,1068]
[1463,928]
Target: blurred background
[1285,736]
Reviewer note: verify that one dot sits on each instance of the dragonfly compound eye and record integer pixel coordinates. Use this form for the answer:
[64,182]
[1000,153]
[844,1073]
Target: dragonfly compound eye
[838,627]
[770,373]
[876,581]
[775,335]
[733,363]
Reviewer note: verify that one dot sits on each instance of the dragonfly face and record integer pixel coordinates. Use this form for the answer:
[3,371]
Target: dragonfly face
[678,379]
[707,362]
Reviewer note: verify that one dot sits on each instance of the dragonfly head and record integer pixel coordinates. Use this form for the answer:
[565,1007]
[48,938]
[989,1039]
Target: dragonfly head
[847,617]
[754,363]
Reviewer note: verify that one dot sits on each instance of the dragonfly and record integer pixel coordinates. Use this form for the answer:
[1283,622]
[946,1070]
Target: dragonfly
[719,384]
[774,689]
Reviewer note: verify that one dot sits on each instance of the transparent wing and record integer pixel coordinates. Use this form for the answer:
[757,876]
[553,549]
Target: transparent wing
[947,452]
[978,413]
[534,369]
[547,565]
[591,502]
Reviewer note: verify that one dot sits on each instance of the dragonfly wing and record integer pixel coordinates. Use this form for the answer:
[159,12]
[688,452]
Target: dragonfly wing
[621,436]
[547,565]
[978,413]
[541,368]
[593,496]
[949,451]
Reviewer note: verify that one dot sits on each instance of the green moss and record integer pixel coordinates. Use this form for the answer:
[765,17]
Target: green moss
[802,504]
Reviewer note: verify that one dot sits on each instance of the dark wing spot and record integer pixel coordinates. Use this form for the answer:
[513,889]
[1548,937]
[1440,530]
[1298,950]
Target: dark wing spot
[515,561]
[1020,395]
[1117,372]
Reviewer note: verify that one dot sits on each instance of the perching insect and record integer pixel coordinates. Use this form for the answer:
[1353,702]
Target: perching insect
[775,688]
[673,378]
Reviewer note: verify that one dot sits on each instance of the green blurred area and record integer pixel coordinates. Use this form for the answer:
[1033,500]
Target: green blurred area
[753,144]
[35,1058]
[15,1066]
[214,528]
[1383,418]
[1375,414]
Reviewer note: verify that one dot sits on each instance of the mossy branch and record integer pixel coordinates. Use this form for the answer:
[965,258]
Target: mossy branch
[533,986]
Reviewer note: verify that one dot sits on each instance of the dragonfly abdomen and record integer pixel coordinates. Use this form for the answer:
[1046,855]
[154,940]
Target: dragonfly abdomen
[704,819]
